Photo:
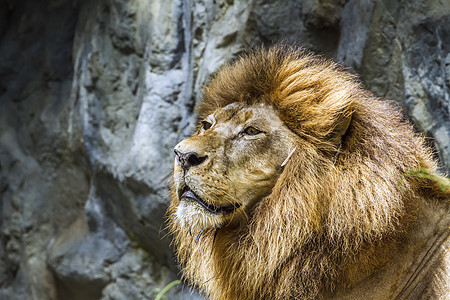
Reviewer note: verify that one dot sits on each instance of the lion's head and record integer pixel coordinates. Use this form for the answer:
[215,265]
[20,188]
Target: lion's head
[293,171]
[230,164]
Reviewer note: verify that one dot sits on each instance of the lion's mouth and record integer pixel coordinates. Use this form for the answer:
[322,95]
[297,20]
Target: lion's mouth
[187,193]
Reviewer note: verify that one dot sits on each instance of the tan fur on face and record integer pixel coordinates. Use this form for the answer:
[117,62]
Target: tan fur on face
[335,209]
[239,168]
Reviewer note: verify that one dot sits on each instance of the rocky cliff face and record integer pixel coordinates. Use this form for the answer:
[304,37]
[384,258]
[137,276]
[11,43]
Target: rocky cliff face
[95,94]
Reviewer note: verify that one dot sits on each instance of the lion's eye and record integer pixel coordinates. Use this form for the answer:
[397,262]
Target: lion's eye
[251,131]
[206,125]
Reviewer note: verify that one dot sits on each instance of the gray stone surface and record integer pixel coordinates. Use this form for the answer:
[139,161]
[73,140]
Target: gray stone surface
[95,94]
[402,53]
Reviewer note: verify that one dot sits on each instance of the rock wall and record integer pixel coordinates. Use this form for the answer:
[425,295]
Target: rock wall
[95,94]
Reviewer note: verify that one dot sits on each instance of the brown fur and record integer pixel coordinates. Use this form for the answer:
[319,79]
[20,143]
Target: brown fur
[345,201]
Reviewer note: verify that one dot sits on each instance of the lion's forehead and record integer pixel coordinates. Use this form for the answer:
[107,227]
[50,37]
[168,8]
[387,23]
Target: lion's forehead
[238,113]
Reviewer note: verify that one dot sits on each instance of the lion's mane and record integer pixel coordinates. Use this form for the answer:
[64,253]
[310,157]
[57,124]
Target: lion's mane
[342,199]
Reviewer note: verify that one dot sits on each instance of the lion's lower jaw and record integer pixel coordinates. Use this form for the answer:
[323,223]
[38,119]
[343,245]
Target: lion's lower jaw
[192,217]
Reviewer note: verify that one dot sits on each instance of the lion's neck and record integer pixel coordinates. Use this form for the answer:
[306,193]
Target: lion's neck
[233,264]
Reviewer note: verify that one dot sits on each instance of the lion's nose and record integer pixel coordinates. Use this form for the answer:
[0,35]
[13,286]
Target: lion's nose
[189,159]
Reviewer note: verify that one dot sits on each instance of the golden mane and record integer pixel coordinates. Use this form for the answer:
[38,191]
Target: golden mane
[342,199]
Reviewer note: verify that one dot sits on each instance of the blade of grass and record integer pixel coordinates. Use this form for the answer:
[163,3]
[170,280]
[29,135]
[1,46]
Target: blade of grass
[166,288]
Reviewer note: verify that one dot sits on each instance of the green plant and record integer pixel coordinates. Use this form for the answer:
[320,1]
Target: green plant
[444,183]
[166,288]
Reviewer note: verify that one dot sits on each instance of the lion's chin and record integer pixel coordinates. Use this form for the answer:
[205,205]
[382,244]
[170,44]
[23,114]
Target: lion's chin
[191,216]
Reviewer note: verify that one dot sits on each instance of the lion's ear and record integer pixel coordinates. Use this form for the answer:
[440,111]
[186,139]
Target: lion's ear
[335,137]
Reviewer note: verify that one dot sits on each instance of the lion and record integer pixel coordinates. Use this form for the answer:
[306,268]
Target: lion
[300,184]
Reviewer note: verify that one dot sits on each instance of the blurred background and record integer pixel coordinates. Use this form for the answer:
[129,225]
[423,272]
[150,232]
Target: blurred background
[95,94]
